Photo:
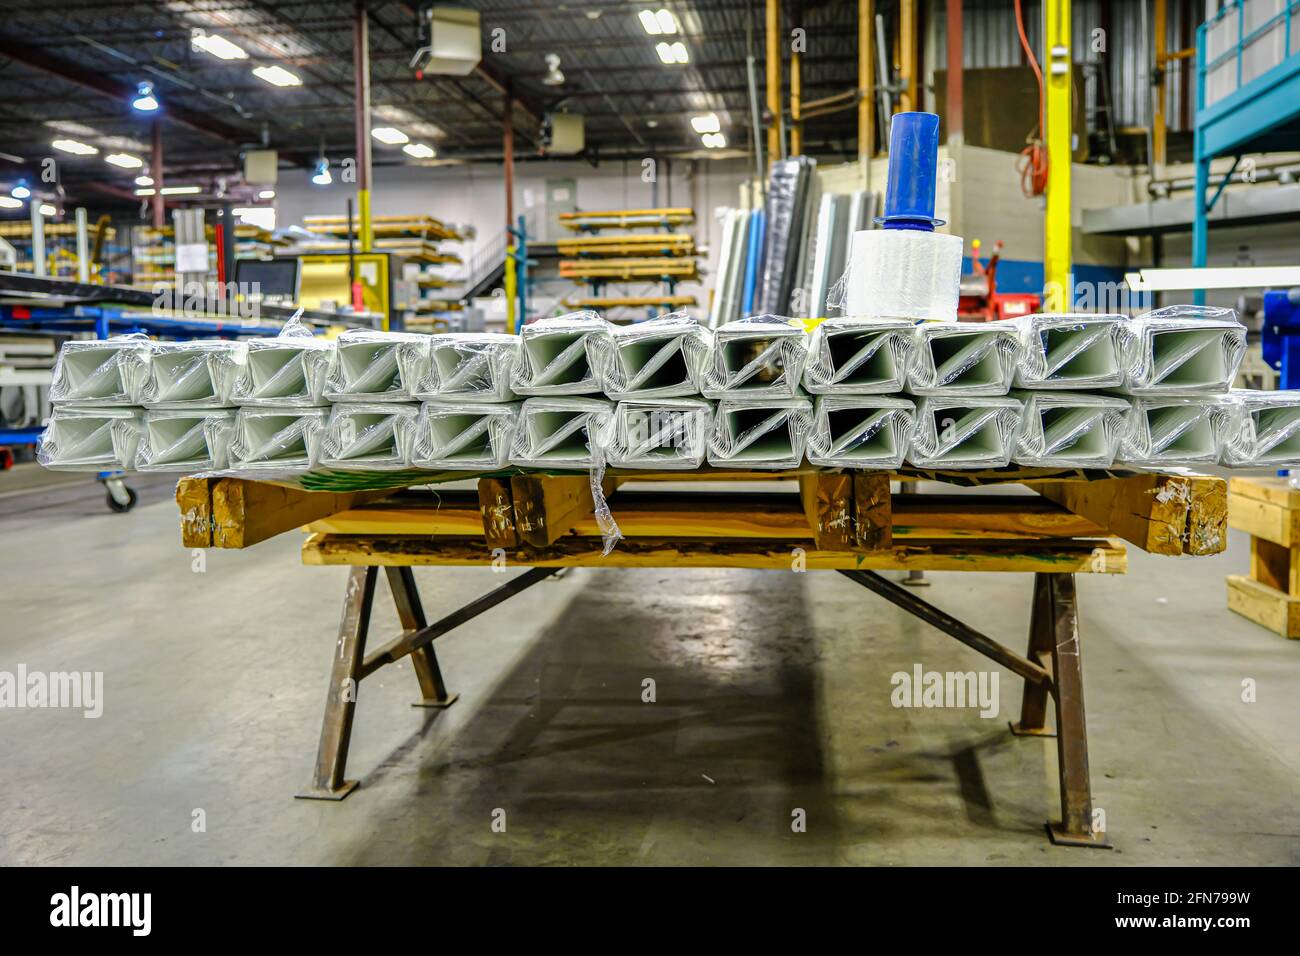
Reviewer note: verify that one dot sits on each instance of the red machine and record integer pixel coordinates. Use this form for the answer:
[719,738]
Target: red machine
[980,299]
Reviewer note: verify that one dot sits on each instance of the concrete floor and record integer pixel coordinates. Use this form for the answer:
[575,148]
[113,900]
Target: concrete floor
[773,694]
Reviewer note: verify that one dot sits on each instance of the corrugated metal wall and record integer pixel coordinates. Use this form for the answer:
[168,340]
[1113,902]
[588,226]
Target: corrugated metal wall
[990,39]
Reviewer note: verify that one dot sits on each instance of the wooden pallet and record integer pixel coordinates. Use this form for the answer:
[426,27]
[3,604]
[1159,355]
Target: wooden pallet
[1268,509]
[420,227]
[628,268]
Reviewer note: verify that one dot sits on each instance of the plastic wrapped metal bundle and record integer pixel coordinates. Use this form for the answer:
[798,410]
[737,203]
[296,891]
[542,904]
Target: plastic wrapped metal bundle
[277,440]
[858,356]
[199,374]
[660,434]
[962,432]
[464,436]
[788,193]
[554,357]
[758,357]
[961,358]
[369,437]
[567,433]
[102,371]
[860,431]
[186,439]
[289,369]
[91,439]
[1070,351]
[372,366]
[469,367]
[661,358]
[767,434]
[1184,349]
[1070,429]
[1262,428]
[1172,430]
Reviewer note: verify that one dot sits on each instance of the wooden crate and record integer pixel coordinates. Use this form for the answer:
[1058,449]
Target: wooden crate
[1268,509]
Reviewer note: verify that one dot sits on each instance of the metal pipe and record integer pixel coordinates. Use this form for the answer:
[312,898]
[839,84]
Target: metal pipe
[866,89]
[508,155]
[886,101]
[1158,106]
[83,246]
[156,174]
[774,146]
[907,54]
[796,97]
[953,112]
[361,82]
[38,237]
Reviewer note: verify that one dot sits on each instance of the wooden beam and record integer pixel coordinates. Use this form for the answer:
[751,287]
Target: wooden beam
[1162,514]
[873,518]
[1096,556]
[194,499]
[497,513]
[246,512]
[548,506]
[827,498]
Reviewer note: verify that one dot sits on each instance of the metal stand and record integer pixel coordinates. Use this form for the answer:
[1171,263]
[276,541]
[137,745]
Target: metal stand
[352,664]
[1052,666]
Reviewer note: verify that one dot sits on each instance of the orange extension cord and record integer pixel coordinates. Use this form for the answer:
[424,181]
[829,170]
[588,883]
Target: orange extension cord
[1032,164]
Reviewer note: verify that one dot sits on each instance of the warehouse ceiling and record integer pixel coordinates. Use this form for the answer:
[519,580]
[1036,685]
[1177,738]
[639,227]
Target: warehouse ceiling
[71,68]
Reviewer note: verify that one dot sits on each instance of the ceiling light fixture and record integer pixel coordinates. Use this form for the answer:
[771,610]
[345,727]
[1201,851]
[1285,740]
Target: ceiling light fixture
[657,23]
[145,192]
[20,191]
[321,176]
[554,75]
[217,45]
[277,76]
[145,101]
[708,123]
[75,147]
[389,135]
[419,150]
[8,202]
[266,194]
[48,210]
[124,160]
[181,190]
[714,140]
[672,52]
[144,180]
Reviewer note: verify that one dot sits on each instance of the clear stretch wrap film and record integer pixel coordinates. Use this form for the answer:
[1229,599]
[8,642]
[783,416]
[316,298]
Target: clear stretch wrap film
[1263,428]
[270,440]
[464,436]
[369,437]
[562,433]
[1171,430]
[469,367]
[858,356]
[766,434]
[659,434]
[900,274]
[661,358]
[962,358]
[198,374]
[373,366]
[1072,351]
[554,357]
[102,372]
[955,432]
[289,369]
[1184,349]
[1070,429]
[758,357]
[186,440]
[861,431]
[91,439]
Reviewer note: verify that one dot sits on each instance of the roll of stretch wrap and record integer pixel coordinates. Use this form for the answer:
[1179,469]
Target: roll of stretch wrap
[905,274]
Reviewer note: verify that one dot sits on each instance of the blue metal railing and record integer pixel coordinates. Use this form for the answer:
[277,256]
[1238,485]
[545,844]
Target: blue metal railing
[1247,35]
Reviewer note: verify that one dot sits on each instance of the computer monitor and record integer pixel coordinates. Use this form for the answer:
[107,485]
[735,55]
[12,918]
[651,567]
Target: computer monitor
[277,279]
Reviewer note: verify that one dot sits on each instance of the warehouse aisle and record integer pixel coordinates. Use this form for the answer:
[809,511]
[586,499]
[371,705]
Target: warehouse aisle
[772,696]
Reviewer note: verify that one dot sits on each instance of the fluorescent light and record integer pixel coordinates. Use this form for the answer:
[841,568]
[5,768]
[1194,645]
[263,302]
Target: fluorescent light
[266,194]
[673,52]
[708,123]
[181,190]
[419,151]
[714,140]
[217,45]
[145,101]
[124,160]
[667,24]
[74,146]
[8,202]
[144,180]
[277,76]
[650,22]
[1244,277]
[48,210]
[389,135]
[20,191]
[146,192]
[261,216]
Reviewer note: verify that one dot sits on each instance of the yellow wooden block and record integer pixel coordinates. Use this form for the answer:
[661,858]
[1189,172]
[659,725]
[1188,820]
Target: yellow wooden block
[1264,605]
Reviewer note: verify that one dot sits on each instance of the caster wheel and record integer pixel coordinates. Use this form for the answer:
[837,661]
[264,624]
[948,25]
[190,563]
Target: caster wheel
[118,506]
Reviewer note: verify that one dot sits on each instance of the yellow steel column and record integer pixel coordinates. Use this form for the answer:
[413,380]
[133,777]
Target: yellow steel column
[774,80]
[907,56]
[1158,107]
[1056,231]
[866,84]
